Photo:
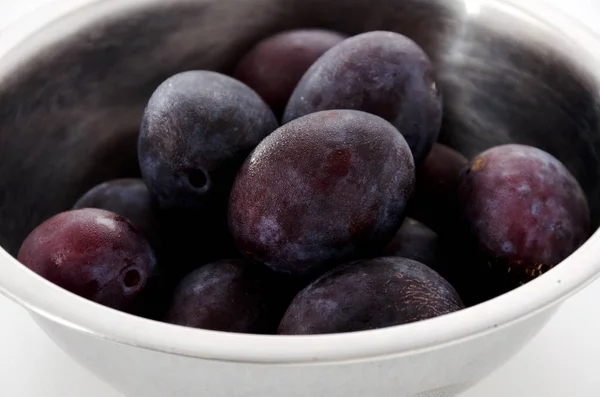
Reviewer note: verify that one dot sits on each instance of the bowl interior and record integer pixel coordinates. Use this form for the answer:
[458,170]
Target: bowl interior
[70,110]
[72,95]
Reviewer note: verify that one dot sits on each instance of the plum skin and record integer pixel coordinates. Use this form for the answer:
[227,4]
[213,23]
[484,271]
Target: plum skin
[275,65]
[128,197]
[370,294]
[383,73]
[524,210]
[435,204]
[435,201]
[93,253]
[284,209]
[196,131]
[414,241]
[230,295]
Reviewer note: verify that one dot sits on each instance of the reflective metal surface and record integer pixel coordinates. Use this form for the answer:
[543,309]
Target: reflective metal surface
[69,113]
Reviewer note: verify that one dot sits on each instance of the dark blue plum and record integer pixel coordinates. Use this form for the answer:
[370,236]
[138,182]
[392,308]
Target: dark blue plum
[196,131]
[435,199]
[128,197]
[370,294]
[378,72]
[414,241]
[230,295]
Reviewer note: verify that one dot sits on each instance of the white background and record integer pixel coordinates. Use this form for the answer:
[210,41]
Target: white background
[563,361]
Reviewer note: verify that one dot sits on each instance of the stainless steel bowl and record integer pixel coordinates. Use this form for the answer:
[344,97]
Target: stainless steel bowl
[71,97]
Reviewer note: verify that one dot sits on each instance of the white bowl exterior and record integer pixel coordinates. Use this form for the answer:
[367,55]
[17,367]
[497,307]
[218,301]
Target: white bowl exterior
[442,371]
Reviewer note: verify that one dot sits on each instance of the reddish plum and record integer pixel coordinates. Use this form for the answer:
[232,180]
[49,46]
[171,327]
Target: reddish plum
[93,253]
[524,209]
[275,65]
[321,190]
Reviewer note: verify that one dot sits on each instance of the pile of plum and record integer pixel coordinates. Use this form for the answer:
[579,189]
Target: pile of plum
[307,194]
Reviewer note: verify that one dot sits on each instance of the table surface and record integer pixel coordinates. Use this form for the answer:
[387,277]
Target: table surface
[561,361]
